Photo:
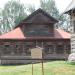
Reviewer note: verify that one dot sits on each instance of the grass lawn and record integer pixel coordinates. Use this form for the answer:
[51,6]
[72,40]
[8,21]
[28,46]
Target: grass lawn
[50,68]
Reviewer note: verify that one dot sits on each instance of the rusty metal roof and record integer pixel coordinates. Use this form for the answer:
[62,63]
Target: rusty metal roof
[18,34]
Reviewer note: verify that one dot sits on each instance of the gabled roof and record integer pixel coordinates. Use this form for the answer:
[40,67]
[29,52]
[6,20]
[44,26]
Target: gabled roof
[48,16]
[70,7]
[43,12]
[18,34]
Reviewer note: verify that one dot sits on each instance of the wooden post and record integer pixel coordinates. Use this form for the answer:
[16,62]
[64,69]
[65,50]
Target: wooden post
[42,67]
[42,61]
[32,68]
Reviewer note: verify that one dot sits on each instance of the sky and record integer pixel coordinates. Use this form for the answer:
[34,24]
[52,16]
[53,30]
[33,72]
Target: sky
[60,4]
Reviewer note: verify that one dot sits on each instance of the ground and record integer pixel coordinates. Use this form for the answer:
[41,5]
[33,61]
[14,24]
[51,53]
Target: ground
[50,68]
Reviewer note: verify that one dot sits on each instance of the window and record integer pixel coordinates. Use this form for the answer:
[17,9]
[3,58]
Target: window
[7,49]
[37,30]
[39,43]
[49,49]
[28,50]
[19,49]
[68,49]
[59,49]
[28,46]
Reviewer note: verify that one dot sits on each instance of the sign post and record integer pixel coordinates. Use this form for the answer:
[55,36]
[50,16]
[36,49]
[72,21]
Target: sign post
[32,68]
[37,53]
[42,68]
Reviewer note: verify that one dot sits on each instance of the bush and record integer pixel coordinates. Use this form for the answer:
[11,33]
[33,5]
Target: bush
[71,58]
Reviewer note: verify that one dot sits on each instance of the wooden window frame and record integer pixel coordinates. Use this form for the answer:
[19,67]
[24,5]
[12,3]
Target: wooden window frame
[49,50]
[68,49]
[60,49]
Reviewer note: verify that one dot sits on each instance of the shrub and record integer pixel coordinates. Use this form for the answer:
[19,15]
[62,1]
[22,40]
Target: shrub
[71,58]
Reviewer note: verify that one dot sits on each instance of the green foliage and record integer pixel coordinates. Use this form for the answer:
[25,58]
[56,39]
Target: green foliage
[71,58]
[64,22]
[31,8]
[50,7]
[12,14]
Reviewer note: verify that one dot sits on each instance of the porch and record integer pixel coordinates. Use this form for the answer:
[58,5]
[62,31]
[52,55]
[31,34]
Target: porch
[20,52]
[24,47]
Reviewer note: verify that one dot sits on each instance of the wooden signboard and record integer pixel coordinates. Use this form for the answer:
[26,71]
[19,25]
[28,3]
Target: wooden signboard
[36,53]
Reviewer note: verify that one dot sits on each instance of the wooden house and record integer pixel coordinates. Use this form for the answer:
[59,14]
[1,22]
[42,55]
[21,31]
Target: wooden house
[38,29]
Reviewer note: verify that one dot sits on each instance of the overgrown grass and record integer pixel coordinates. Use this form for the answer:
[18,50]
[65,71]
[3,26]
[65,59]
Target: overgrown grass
[50,68]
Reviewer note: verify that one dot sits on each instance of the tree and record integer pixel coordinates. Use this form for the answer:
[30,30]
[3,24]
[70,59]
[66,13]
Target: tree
[50,7]
[64,22]
[30,8]
[12,14]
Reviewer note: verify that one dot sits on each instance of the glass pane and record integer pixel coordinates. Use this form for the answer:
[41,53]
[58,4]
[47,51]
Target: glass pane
[59,49]
[49,49]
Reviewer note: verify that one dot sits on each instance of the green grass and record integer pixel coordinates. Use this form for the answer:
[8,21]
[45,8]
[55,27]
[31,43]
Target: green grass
[50,68]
